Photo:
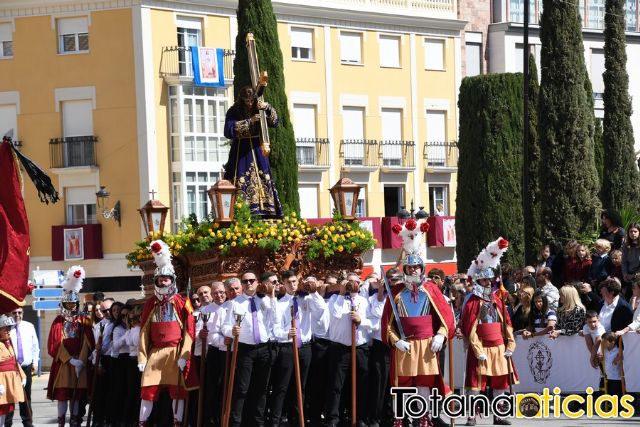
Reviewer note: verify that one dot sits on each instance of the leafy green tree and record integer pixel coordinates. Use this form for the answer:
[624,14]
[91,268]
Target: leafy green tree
[257,17]
[489,191]
[621,185]
[566,126]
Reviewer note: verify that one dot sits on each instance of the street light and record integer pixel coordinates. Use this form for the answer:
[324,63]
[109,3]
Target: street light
[222,195]
[345,198]
[102,196]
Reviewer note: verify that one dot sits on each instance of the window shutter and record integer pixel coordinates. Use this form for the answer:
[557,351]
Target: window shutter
[302,37]
[434,54]
[8,120]
[389,51]
[350,49]
[597,68]
[77,118]
[304,121]
[73,26]
[6,32]
[80,195]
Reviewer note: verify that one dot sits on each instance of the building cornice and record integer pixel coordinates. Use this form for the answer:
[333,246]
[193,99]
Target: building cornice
[17,8]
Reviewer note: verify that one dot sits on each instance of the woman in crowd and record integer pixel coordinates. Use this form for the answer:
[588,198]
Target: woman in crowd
[12,378]
[635,304]
[541,319]
[570,313]
[612,229]
[119,357]
[577,266]
[521,313]
[545,259]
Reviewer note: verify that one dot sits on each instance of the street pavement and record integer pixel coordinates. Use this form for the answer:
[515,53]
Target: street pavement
[45,413]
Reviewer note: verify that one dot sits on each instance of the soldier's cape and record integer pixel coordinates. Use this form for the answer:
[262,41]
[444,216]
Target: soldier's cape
[440,311]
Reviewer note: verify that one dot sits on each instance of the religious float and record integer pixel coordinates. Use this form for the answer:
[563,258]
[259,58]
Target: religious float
[230,240]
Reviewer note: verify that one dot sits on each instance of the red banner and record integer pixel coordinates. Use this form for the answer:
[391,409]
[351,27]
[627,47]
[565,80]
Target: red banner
[14,234]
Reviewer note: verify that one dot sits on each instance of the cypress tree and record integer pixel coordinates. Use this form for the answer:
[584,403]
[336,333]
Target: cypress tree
[566,126]
[257,17]
[620,186]
[532,221]
[489,191]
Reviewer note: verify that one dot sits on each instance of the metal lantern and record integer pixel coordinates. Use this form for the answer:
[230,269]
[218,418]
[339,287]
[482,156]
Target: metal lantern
[345,197]
[222,195]
[154,215]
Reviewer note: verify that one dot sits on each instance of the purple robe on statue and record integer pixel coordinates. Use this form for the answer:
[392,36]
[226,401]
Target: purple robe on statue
[248,168]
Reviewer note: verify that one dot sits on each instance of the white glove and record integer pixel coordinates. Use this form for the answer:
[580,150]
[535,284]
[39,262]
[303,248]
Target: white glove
[93,357]
[141,366]
[403,345]
[24,382]
[436,343]
[77,363]
[508,353]
[181,364]
[482,357]
[1,389]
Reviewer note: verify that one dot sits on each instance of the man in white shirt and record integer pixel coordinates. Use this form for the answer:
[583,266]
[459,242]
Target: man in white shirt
[101,388]
[346,309]
[543,280]
[254,350]
[306,308]
[203,296]
[27,350]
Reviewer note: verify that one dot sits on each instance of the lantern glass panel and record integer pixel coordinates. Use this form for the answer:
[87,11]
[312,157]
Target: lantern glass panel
[156,218]
[226,204]
[348,202]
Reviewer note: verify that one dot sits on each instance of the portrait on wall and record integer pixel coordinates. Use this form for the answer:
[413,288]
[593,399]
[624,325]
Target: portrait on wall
[208,65]
[73,244]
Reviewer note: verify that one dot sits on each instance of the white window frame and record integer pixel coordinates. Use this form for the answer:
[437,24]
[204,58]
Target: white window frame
[384,55]
[6,40]
[445,198]
[76,36]
[348,61]
[478,46]
[361,209]
[428,65]
[84,198]
[296,50]
[597,80]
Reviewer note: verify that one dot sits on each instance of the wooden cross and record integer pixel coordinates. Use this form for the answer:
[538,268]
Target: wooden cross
[153,194]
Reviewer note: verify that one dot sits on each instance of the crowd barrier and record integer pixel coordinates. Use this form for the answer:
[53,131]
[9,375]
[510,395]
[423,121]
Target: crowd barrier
[542,362]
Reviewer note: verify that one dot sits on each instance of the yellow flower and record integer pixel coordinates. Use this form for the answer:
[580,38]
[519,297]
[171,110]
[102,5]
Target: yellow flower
[273,233]
[233,243]
[251,240]
[353,244]
[332,228]
[210,231]
[221,247]
[244,241]
[216,225]
[178,246]
[227,236]
[259,235]
[289,239]
[340,248]
[238,205]
[279,237]
[234,237]
[335,239]
[219,235]
[211,234]
[293,214]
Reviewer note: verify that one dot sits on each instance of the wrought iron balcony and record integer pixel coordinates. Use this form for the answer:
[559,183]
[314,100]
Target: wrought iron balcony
[397,154]
[176,63]
[73,151]
[439,154]
[357,153]
[312,152]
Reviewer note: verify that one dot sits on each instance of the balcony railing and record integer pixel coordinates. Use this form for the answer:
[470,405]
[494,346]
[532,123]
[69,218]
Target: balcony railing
[397,154]
[176,62]
[73,151]
[359,153]
[439,154]
[312,151]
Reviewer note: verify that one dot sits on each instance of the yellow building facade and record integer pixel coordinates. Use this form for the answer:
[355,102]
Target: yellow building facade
[101,93]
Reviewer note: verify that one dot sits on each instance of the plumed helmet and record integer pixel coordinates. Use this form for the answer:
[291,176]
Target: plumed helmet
[414,259]
[6,321]
[485,273]
[165,270]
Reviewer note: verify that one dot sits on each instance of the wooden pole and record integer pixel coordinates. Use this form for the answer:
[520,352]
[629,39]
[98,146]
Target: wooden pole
[296,369]
[354,418]
[452,384]
[622,380]
[227,363]
[203,358]
[96,368]
[232,373]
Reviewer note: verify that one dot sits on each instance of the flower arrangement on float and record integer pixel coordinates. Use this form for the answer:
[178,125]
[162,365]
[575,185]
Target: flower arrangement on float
[248,232]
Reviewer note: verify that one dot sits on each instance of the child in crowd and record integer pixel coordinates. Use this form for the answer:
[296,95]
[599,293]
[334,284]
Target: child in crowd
[616,266]
[544,257]
[611,358]
[600,262]
[592,333]
[541,319]
[577,267]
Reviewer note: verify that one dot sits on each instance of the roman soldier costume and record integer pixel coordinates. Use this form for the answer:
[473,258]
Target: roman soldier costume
[488,331]
[426,321]
[12,378]
[167,331]
[70,344]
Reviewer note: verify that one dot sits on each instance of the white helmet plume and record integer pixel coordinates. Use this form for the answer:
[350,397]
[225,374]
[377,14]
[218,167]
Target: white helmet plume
[161,253]
[73,280]
[489,257]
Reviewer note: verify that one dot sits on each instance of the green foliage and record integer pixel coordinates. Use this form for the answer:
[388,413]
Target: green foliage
[629,215]
[489,187]
[566,125]
[598,150]
[620,185]
[257,17]
[532,218]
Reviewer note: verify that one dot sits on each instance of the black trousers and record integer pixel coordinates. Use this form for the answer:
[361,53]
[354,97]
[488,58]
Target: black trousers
[379,393]
[251,380]
[118,392]
[214,387]
[102,391]
[283,386]
[134,377]
[340,364]
[318,380]
[8,421]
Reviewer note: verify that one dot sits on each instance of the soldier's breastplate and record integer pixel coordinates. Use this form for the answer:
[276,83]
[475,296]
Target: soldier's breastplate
[415,308]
